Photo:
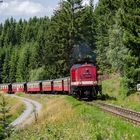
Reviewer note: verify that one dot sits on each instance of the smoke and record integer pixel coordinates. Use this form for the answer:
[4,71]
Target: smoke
[82,53]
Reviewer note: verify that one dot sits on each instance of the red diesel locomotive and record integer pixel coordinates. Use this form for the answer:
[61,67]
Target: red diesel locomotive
[84,80]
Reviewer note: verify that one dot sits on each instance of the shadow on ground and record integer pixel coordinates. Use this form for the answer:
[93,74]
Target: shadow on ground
[106,97]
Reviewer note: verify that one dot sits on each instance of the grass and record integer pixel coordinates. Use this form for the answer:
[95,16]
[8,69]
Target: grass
[65,118]
[113,88]
[15,106]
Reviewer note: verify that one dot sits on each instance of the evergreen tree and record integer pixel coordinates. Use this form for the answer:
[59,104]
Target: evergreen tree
[13,64]
[23,64]
[18,32]
[6,67]
[43,46]
[104,13]
[117,51]
[130,23]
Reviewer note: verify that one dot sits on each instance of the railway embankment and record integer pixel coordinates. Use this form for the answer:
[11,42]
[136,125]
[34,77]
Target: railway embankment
[115,94]
[64,117]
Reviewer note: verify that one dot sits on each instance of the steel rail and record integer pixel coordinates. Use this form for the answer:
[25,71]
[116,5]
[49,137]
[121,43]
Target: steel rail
[127,114]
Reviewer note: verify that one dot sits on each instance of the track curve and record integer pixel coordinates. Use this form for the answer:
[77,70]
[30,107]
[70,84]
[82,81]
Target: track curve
[127,114]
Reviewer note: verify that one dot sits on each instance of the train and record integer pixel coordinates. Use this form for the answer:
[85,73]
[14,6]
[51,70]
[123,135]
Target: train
[82,83]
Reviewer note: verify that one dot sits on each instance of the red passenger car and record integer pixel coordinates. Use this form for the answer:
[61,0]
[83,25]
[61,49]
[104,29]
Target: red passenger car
[19,87]
[61,85]
[47,86]
[57,85]
[6,88]
[34,87]
[66,84]
[84,80]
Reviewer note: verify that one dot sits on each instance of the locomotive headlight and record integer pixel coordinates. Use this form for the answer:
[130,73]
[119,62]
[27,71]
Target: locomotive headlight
[94,82]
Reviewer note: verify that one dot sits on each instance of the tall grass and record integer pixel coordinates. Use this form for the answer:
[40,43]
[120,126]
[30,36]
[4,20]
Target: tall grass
[65,118]
[114,89]
[15,106]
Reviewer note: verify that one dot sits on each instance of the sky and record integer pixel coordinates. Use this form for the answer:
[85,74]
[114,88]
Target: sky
[28,8]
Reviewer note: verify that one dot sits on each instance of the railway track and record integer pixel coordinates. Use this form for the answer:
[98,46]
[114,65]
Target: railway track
[127,114]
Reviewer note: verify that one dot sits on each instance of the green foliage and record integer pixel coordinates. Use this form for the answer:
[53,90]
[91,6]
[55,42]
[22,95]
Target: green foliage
[104,17]
[13,64]
[130,24]
[118,40]
[5,66]
[118,93]
[4,117]
[37,74]
[117,51]
[43,46]
[76,121]
[23,65]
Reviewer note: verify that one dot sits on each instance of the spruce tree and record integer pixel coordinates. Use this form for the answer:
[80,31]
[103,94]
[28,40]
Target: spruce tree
[130,23]
[13,64]
[6,67]
[22,73]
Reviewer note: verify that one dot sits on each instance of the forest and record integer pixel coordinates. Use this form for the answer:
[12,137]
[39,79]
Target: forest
[41,48]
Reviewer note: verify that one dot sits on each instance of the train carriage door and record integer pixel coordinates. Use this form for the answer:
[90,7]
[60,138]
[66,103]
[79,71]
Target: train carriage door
[62,85]
[40,86]
[9,88]
[52,84]
[25,87]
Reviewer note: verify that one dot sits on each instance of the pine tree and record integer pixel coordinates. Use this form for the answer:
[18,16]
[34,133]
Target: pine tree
[6,67]
[117,51]
[13,64]
[22,73]
[104,13]
[2,56]
[130,24]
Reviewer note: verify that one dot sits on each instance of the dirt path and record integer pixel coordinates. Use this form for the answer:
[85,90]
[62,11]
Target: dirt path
[30,113]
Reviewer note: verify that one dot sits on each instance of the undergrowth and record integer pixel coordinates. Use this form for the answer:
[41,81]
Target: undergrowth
[14,105]
[65,118]
[114,89]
